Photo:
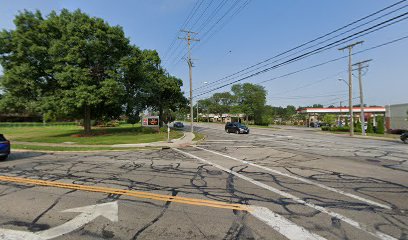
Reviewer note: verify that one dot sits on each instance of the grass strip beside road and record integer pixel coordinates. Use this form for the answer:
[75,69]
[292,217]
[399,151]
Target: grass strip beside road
[76,149]
[198,136]
[131,193]
[123,134]
[385,136]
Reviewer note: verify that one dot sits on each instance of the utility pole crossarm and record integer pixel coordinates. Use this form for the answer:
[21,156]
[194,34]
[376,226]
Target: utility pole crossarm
[351,45]
[362,62]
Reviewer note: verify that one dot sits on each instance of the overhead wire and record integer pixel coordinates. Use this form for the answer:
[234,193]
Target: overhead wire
[233,6]
[314,66]
[185,25]
[315,39]
[318,50]
[359,34]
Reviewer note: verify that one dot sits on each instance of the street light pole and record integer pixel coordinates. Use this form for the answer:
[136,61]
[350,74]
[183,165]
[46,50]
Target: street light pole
[350,84]
[197,110]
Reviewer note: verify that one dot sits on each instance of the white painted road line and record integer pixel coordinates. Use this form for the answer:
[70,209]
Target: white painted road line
[88,214]
[282,225]
[300,179]
[341,217]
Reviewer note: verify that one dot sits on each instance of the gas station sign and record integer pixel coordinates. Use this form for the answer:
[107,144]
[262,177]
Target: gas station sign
[151,121]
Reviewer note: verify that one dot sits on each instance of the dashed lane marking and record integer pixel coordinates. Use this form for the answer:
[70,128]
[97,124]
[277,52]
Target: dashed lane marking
[339,216]
[131,193]
[300,179]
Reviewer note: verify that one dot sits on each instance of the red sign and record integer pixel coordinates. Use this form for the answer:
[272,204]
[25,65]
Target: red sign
[152,121]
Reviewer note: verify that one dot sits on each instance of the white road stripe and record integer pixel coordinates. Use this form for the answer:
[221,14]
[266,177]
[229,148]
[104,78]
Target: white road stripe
[282,225]
[345,219]
[301,179]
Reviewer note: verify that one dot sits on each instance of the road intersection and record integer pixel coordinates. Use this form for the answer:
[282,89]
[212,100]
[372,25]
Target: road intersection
[288,183]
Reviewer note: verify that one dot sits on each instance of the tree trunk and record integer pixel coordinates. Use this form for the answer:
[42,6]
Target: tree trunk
[161,116]
[87,120]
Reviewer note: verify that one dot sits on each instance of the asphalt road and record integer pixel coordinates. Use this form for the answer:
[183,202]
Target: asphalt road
[270,184]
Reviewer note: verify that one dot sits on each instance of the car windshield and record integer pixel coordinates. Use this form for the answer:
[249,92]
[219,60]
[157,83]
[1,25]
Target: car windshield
[240,125]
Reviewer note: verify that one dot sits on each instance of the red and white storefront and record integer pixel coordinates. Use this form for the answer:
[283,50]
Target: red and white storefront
[316,114]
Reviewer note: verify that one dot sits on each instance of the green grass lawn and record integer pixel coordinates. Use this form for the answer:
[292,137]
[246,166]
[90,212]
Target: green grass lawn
[101,136]
[385,135]
[198,136]
[75,149]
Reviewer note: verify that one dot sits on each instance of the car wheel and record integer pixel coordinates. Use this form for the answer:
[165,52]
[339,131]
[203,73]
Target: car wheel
[3,158]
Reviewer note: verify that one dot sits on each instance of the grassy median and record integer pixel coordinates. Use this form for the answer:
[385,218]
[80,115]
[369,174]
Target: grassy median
[123,134]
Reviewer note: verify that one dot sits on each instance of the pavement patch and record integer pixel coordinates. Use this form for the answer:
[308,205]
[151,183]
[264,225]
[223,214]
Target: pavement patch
[301,179]
[341,217]
[131,193]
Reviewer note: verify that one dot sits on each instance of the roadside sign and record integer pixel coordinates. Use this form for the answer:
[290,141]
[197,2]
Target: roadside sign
[151,121]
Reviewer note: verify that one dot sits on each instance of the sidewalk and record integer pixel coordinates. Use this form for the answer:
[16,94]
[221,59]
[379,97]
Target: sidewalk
[184,141]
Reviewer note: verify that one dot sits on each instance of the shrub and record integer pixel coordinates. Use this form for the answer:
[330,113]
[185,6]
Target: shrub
[380,125]
[325,128]
[370,127]
[340,129]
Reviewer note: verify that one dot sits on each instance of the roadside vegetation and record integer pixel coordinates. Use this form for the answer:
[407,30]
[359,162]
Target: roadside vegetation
[72,66]
[76,149]
[72,134]
[198,136]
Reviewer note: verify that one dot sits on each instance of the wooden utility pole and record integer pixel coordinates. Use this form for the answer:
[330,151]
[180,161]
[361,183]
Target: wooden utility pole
[360,82]
[350,84]
[190,65]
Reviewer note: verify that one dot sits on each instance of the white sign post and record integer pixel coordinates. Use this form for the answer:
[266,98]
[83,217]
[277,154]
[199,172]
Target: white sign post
[168,133]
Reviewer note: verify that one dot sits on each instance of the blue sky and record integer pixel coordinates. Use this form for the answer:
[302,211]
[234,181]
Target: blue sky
[260,30]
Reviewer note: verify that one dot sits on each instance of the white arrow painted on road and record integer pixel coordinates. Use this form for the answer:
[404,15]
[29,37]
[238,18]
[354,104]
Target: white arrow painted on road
[88,214]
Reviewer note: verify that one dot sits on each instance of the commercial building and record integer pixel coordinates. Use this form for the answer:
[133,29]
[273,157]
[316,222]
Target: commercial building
[396,116]
[315,115]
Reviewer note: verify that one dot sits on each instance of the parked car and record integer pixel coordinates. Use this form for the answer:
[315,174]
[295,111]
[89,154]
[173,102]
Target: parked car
[236,127]
[4,147]
[178,125]
[404,137]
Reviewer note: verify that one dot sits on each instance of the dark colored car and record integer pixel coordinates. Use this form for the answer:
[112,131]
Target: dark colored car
[236,127]
[4,147]
[404,137]
[178,125]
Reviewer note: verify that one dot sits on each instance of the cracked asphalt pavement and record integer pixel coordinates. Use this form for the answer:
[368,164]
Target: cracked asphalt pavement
[297,183]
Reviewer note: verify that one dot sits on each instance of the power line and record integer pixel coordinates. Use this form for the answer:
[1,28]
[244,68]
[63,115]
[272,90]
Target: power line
[232,7]
[360,34]
[309,84]
[178,57]
[314,66]
[314,40]
[184,25]
[303,97]
[315,51]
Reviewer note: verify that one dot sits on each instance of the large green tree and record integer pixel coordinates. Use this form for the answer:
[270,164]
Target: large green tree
[63,65]
[251,99]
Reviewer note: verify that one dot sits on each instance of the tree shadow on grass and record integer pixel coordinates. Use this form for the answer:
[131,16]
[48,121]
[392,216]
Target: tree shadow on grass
[106,131]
